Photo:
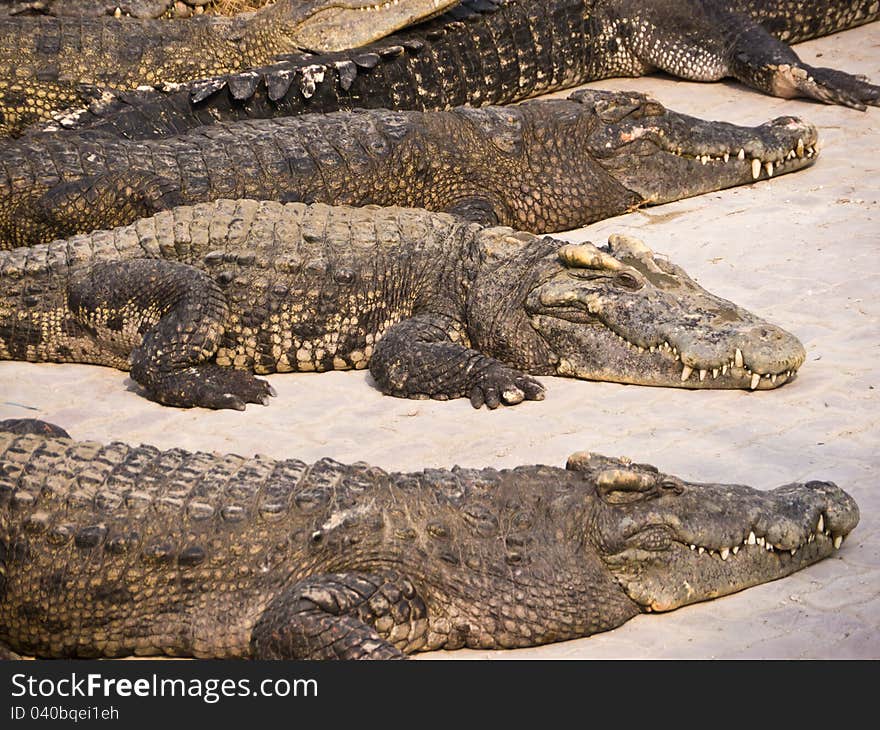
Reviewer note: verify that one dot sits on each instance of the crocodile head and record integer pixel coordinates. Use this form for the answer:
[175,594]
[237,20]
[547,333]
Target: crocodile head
[661,155]
[669,542]
[624,315]
[336,25]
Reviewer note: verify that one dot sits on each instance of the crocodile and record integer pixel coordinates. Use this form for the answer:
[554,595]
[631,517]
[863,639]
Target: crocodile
[114,550]
[501,51]
[132,8]
[195,300]
[543,166]
[48,64]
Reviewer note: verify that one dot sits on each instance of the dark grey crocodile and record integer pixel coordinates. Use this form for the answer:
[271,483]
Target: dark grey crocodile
[500,51]
[111,551]
[196,299]
[45,62]
[541,166]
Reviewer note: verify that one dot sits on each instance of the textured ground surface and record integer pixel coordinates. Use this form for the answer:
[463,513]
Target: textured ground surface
[801,250]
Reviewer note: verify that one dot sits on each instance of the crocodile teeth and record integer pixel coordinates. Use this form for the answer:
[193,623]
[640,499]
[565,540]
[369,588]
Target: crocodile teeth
[726,156]
[742,154]
[820,525]
[768,547]
[724,553]
[773,378]
[756,168]
[768,166]
[800,148]
[724,369]
[693,547]
[703,374]
[686,372]
[752,539]
[838,541]
[701,550]
[738,358]
[714,372]
[755,380]
[793,551]
[735,549]
[760,541]
[811,537]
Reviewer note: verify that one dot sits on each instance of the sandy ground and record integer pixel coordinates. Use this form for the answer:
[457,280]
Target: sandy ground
[800,250]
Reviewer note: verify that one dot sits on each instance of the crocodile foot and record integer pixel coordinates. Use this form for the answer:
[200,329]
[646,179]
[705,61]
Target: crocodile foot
[210,386]
[500,384]
[827,85]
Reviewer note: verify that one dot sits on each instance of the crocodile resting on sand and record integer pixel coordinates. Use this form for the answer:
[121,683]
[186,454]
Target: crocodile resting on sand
[113,550]
[196,299]
[45,62]
[500,51]
[541,166]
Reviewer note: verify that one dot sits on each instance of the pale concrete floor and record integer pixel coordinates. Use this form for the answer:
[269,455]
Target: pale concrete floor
[801,250]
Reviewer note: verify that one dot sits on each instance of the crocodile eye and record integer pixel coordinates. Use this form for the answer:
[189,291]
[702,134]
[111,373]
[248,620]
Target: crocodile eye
[626,280]
[671,485]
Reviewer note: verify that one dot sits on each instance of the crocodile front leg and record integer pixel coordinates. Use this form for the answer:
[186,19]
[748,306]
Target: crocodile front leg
[418,359]
[343,616]
[705,41]
[170,317]
[759,60]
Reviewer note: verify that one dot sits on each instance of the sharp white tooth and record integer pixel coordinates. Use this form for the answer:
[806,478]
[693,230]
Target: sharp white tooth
[742,154]
[724,369]
[756,168]
[820,525]
[686,372]
[769,547]
[800,148]
[755,380]
[693,547]
[724,553]
[715,372]
[738,358]
[811,537]
[703,374]
[773,378]
[768,166]
[793,551]
[735,549]
[711,553]
[752,539]
[704,160]
[760,541]
[726,156]
[701,550]
[838,541]
[651,348]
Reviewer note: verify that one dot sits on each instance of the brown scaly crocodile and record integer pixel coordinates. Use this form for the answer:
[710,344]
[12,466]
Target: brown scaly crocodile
[113,550]
[132,8]
[542,166]
[44,62]
[500,51]
[196,299]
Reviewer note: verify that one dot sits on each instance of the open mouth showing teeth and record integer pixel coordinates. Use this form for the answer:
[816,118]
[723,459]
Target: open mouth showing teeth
[754,542]
[736,367]
[768,166]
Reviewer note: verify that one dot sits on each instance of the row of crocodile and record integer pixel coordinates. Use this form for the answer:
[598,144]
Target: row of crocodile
[196,289]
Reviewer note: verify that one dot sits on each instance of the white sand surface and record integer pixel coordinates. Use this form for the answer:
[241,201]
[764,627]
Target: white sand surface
[801,250]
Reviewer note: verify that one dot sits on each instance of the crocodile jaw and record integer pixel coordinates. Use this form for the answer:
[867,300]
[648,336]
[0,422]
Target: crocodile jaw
[336,25]
[673,157]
